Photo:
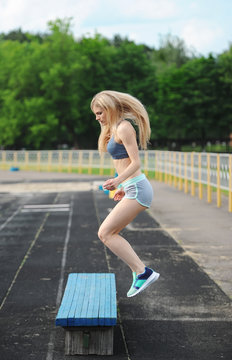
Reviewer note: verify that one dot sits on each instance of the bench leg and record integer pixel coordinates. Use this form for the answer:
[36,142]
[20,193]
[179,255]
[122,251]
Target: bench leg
[94,340]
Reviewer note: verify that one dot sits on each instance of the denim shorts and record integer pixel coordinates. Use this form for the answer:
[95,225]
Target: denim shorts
[138,188]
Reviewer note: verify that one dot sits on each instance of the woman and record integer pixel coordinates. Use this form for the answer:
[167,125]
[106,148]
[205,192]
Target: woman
[118,137]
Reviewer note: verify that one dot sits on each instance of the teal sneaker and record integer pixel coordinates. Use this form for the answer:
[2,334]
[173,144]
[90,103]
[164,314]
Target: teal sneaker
[133,282]
[142,281]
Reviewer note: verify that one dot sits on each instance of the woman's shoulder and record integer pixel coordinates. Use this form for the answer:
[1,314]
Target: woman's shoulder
[125,126]
[124,131]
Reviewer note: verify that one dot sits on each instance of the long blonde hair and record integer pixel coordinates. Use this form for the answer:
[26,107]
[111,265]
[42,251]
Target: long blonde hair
[118,105]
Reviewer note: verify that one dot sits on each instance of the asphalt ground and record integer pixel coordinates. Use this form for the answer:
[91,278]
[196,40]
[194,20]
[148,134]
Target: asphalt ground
[185,315]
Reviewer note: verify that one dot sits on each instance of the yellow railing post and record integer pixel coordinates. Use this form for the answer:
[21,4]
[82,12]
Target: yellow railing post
[192,175]
[218,182]
[160,166]
[15,158]
[174,169]
[180,172]
[112,169]
[60,161]
[230,183]
[156,164]
[166,167]
[90,165]
[200,186]
[26,160]
[170,168]
[185,173]
[146,163]
[4,160]
[209,189]
[49,160]
[101,172]
[70,161]
[38,161]
[80,154]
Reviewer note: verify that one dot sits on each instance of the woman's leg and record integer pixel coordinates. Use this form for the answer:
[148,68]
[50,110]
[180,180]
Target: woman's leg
[121,215]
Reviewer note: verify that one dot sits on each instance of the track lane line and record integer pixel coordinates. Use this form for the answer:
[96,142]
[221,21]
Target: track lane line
[24,260]
[27,253]
[61,280]
[110,270]
[10,218]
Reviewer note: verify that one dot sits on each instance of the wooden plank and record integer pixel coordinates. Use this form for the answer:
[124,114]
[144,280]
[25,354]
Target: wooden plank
[102,301]
[111,306]
[75,302]
[113,301]
[95,313]
[62,315]
[89,315]
[107,301]
[84,310]
[82,285]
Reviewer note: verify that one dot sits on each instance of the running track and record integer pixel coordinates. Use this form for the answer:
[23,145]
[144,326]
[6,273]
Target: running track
[185,315]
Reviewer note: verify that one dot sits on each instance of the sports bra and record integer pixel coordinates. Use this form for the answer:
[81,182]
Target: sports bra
[116,150]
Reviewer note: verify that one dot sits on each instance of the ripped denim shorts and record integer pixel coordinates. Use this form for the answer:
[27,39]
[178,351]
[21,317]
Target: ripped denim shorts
[138,188]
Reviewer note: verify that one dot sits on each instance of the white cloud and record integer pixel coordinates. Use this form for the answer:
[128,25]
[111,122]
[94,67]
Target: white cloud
[149,9]
[11,12]
[140,20]
[34,15]
[194,5]
[201,34]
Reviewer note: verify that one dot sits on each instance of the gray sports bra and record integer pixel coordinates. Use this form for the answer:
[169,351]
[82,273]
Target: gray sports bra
[116,150]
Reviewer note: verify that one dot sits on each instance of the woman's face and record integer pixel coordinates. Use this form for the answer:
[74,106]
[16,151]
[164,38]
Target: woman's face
[100,115]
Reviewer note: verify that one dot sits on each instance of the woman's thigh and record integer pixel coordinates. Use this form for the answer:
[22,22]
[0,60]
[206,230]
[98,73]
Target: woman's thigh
[121,215]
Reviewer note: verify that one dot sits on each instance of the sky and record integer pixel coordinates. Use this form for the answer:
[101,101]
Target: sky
[204,25]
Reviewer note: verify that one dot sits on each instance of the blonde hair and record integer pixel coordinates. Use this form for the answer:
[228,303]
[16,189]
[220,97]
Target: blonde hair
[118,105]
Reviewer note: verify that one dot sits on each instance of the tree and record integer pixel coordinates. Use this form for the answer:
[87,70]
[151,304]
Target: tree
[20,36]
[171,51]
[46,87]
[190,101]
[225,76]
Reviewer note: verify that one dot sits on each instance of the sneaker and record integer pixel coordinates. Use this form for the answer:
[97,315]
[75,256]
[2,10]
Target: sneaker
[132,286]
[142,281]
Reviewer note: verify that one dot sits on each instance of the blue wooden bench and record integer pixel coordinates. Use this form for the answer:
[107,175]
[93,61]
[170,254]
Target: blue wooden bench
[88,312]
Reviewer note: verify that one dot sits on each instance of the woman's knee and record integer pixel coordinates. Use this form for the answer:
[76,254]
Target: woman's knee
[103,234]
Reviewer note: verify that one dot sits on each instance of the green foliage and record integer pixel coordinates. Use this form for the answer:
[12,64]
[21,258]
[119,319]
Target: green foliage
[190,101]
[172,52]
[18,35]
[47,82]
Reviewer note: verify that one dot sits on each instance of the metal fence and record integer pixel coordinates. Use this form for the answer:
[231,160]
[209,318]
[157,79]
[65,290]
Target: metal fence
[186,171]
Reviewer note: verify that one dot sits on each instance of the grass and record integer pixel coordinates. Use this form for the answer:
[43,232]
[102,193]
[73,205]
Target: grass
[84,170]
[216,148]
[105,172]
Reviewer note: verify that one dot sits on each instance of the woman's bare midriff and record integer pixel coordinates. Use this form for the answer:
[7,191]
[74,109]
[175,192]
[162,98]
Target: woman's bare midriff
[121,164]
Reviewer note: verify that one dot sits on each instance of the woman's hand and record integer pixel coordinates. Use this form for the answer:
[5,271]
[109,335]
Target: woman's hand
[119,194]
[111,184]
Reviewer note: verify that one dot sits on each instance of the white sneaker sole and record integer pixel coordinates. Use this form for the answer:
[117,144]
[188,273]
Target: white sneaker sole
[152,278]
